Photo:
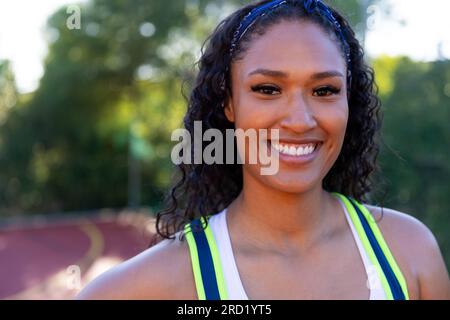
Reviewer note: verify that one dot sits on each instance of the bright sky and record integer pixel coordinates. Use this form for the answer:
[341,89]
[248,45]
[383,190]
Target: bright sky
[427,27]
[22,38]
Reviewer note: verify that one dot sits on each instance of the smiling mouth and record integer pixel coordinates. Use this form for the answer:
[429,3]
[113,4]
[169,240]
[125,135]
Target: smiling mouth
[296,150]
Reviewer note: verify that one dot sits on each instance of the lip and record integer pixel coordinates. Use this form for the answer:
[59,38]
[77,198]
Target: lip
[299,141]
[297,160]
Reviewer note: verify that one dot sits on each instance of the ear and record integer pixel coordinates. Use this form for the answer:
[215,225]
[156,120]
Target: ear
[229,111]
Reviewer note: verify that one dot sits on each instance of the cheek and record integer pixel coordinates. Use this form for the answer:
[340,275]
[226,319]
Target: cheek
[255,114]
[252,116]
[334,122]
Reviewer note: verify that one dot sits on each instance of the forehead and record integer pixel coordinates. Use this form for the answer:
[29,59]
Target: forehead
[292,46]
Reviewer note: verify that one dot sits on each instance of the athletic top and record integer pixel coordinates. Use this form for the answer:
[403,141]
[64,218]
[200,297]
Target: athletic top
[217,277]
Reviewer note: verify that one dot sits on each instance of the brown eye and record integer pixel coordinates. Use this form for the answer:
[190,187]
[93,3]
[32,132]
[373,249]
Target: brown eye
[266,90]
[326,91]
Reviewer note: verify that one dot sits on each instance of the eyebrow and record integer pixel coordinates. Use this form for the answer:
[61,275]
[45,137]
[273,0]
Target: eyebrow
[281,74]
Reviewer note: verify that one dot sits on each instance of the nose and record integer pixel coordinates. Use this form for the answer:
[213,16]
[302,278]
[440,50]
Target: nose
[299,116]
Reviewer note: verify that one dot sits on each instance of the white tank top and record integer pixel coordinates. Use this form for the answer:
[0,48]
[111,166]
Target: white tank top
[219,227]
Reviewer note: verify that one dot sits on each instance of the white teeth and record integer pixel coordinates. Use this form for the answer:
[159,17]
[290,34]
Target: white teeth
[295,150]
[306,150]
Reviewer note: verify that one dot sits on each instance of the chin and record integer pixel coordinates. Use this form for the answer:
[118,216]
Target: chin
[295,187]
[291,183]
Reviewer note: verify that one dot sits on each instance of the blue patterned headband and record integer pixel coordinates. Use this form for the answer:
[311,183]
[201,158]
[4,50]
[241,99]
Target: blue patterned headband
[311,6]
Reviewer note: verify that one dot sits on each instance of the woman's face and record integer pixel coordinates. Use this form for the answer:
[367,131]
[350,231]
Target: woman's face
[304,96]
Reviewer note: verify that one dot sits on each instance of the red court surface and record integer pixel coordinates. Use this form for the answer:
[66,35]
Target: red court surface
[54,259]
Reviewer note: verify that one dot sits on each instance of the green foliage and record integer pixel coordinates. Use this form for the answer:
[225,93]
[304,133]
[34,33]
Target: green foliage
[415,158]
[8,91]
[108,100]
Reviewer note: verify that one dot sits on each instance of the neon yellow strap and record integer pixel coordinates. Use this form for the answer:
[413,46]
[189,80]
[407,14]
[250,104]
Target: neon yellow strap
[365,241]
[217,263]
[376,231]
[195,264]
[215,257]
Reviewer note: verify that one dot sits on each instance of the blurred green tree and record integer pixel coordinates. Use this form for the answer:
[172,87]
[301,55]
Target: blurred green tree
[8,90]
[415,161]
[79,140]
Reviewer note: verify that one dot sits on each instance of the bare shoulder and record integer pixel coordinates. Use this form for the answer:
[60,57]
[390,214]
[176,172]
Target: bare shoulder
[416,251]
[161,272]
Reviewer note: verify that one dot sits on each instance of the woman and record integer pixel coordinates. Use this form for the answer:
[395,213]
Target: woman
[294,66]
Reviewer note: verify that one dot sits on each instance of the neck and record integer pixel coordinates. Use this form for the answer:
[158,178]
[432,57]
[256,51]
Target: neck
[273,220]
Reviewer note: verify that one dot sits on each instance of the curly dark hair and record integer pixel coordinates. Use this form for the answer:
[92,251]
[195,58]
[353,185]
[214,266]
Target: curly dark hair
[201,189]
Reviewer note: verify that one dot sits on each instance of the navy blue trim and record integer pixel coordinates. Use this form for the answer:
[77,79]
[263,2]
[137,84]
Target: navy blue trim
[396,289]
[206,262]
